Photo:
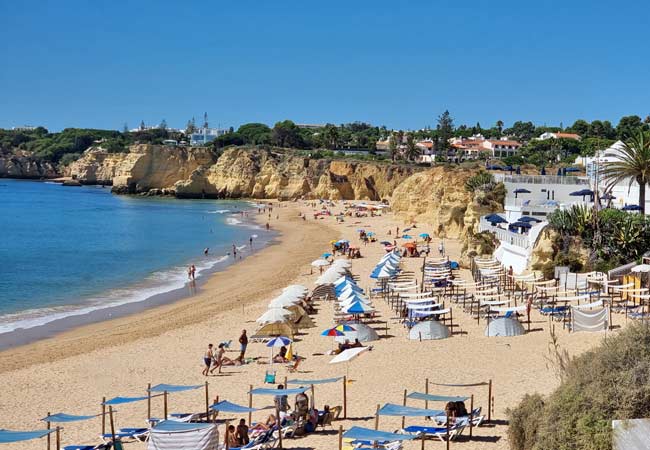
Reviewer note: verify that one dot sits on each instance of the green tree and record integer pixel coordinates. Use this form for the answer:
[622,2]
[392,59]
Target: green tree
[331,136]
[580,127]
[255,134]
[287,134]
[392,146]
[499,125]
[633,165]
[191,126]
[445,130]
[412,150]
[163,125]
[601,129]
[522,130]
[628,126]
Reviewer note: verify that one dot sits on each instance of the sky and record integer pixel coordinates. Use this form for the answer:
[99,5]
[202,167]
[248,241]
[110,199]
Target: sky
[101,64]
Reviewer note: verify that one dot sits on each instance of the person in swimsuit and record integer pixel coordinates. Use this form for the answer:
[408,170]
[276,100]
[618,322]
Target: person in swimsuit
[207,359]
[243,343]
[220,360]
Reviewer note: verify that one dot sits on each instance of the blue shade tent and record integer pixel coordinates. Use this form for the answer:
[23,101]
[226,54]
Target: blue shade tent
[391,409]
[607,196]
[571,169]
[173,388]
[8,436]
[367,434]
[529,219]
[226,406]
[631,208]
[436,398]
[63,417]
[308,382]
[172,426]
[582,193]
[525,225]
[495,218]
[520,191]
[424,235]
[265,391]
[121,400]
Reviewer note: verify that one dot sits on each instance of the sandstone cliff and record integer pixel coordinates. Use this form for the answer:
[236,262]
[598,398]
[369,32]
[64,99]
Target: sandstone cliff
[21,164]
[238,172]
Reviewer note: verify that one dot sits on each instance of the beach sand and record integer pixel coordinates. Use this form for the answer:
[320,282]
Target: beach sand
[73,371]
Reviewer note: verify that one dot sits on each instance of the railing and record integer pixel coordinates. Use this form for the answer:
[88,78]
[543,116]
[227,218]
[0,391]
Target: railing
[519,203]
[520,240]
[541,179]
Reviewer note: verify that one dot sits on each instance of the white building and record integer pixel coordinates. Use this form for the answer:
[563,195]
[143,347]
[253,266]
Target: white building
[203,136]
[24,128]
[558,135]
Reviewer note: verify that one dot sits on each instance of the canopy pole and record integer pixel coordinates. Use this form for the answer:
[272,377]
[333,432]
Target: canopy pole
[489,401]
[345,397]
[340,437]
[207,403]
[426,391]
[285,383]
[149,403]
[110,414]
[277,415]
[165,404]
[48,434]
[377,418]
[103,416]
[250,403]
[227,435]
[447,431]
[404,417]
[422,446]
[58,438]
[471,415]
[313,397]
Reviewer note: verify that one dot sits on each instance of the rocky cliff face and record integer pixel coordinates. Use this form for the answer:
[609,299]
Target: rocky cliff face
[21,164]
[438,197]
[238,172]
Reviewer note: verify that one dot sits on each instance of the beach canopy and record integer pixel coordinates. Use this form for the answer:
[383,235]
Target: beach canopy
[391,409]
[276,329]
[174,435]
[348,355]
[495,218]
[582,193]
[521,225]
[122,400]
[226,406]
[274,315]
[504,326]
[631,208]
[296,288]
[174,388]
[332,332]
[361,331]
[267,391]
[521,191]
[368,434]
[279,342]
[436,398]
[320,263]
[424,235]
[529,219]
[429,330]
[8,436]
[63,417]
[358,307]
[309,382]
[283,302]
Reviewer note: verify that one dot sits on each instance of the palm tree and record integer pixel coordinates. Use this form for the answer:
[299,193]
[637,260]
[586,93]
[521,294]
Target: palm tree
[412,150]
[633,164]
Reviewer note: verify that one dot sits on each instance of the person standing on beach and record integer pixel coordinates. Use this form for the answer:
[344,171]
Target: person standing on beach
[267,226]
[234,251]
[189,273]
[250,241]
[193,272]
[243,343]
[207,359]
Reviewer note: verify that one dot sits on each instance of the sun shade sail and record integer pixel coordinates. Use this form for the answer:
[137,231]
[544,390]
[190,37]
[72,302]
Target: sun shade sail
[391,409]
[173,426]
[7,436]
[63,417]
[264,391]
[367,434]
[436,398]
[173,388]
[121,400]
[308,382]
[226,406]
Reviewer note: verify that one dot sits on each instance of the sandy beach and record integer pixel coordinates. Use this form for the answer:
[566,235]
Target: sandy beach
[74,370]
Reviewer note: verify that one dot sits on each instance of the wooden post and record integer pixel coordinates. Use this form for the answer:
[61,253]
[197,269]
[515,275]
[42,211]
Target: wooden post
[422,446]
[340,437]
[227,434]
[285,381]
[489,401]
[426,391]
[345,396]
[250,403]
[277,415]
[149,403]
[207,403]
[404,403]
[165,404]
[58,438]
[447,432]
[103,416]
[110,415]
[377,418]
[313,397]
[471,414]
[49,425]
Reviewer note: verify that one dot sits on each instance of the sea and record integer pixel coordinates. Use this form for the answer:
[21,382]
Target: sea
[74,252]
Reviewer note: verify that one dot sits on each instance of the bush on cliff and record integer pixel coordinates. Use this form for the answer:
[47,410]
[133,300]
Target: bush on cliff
[611,382]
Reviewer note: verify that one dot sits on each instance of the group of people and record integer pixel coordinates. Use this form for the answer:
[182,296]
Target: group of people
[216,360]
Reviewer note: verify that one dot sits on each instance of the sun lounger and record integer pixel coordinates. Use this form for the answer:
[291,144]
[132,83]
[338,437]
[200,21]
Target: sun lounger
[439,433]
[360,444]
[139,434]
[88,447]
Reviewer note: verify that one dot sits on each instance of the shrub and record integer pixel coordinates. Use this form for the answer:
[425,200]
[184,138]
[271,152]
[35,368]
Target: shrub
[524,421]
[478,181]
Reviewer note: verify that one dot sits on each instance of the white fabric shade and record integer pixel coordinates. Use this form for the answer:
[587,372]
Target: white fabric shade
[348,355]
[274,315]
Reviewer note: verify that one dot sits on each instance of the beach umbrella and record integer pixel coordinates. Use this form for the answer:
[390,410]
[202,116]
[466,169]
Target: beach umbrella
[274,315]
[345,327]
[283,302]
[384,272]
[320,263]
[424,235]
[582,193]
[295,288]
[277,342]
[358,307]
[410,245]
[520,191]
[495,218]
[407,236]
[529,219]
[348,355]
[386,243]
[326,255]
[631,208]
[370,233]
[332,332]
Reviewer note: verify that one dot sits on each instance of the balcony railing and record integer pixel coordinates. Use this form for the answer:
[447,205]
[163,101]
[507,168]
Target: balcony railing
[541,179]
[520,240]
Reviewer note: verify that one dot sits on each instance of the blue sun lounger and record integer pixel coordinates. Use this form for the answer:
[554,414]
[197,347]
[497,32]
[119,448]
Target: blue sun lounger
[129,433]
[438,432]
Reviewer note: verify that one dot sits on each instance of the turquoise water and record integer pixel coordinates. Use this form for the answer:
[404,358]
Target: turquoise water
[70,250]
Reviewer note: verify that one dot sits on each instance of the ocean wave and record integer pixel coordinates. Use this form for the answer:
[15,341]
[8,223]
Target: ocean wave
[233,221]
[219,211]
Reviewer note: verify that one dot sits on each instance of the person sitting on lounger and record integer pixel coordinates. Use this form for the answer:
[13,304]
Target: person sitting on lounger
[356,344]
[281,357]
[242,433]
[231,439]
[302,406]
[266,426]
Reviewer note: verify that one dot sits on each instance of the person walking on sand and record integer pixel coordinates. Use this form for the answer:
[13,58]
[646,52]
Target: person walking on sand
[441,248]
[243,343]
[267,226]
[207,360]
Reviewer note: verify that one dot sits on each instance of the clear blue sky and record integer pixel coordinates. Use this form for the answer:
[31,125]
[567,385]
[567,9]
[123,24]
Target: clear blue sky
[395,63]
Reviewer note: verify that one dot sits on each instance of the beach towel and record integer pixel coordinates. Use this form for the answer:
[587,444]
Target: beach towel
[589,320]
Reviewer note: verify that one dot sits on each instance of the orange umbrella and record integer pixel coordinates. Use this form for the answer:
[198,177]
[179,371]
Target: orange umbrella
[409,245]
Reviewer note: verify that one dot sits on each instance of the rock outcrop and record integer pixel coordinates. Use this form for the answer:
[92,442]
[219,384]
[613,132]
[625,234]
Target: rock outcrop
[22,164]
[237,173]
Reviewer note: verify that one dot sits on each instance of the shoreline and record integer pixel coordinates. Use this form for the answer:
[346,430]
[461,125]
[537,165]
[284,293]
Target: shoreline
[98,332]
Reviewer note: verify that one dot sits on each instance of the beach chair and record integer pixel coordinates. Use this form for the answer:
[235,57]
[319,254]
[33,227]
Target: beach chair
[104,446]
[293,367]
[326,420]
[269,377]
[136,434]
[438,432]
